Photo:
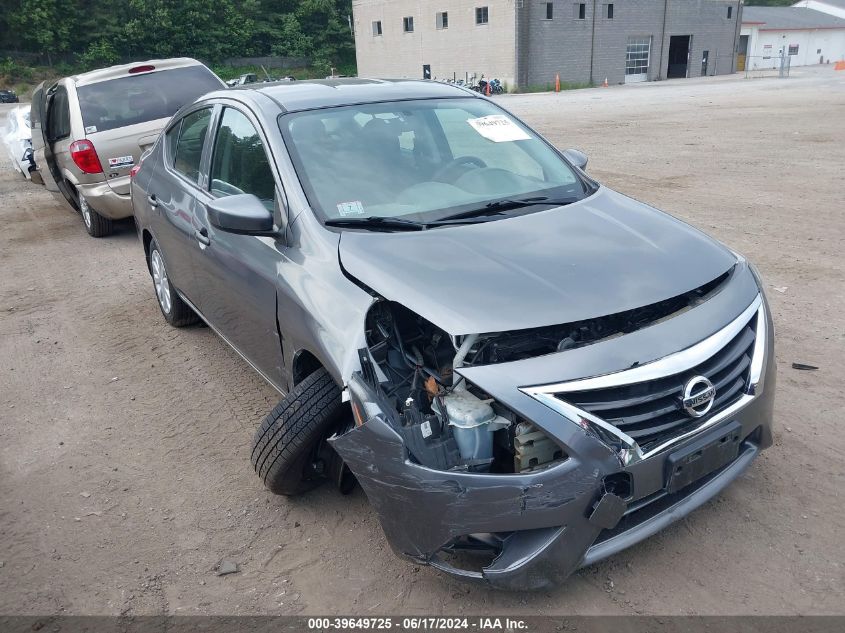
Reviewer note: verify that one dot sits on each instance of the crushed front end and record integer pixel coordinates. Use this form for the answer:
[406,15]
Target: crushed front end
[515,458]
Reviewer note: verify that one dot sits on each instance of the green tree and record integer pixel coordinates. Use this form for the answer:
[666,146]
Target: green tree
[44,25]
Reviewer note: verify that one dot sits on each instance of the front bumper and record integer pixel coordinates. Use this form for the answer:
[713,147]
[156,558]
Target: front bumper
[547,521]
[102,198]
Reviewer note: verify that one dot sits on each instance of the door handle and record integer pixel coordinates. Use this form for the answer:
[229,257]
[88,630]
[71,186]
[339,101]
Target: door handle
[152,201]
[202,236]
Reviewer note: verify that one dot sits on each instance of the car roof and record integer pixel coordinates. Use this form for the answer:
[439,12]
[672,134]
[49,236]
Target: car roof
[293,96]
[115,72]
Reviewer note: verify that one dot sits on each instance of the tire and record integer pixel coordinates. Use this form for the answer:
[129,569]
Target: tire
[95,224]
[175,311]
[285,445]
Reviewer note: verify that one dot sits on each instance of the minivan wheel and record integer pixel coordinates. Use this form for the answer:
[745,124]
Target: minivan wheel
[95,224]
[285,447]
[176,312]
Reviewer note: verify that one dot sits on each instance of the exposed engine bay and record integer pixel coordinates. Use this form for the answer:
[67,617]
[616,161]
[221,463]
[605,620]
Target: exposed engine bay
[449,424]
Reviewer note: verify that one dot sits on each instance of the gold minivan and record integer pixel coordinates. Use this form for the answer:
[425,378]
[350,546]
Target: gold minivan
[89,130]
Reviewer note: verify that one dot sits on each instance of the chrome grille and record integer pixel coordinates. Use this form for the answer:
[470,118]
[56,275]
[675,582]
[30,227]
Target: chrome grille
[651,412]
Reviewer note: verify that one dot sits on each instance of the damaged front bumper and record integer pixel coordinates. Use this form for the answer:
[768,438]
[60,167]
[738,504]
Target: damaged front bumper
[547,523]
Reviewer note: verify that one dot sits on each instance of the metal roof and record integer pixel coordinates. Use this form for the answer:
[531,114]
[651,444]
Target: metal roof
[326,93]
[790,18]
[833,3]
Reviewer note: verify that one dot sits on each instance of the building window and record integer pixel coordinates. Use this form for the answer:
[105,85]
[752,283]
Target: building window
[550,10]
[730,12]
[580,11]
[376,28]
[408,24]
[608,13]
[482,15]
[793,49]
[443,20]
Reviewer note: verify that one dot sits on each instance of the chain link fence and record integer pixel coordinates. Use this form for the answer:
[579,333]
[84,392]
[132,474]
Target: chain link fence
[767,66]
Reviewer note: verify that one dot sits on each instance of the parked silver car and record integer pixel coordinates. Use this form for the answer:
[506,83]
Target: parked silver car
[539,370]
[89,130]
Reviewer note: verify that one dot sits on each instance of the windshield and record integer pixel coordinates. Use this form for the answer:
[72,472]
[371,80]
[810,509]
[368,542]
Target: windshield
[421,160]
[140,98]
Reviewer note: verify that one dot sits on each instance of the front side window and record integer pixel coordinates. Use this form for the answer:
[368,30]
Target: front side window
[408,24]
[239,163]
[140,98]
[188,152]
[482,15]
[422,160]
[58,119]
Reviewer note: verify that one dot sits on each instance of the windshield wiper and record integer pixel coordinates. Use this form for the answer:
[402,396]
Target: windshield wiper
[498,206]
[377,222]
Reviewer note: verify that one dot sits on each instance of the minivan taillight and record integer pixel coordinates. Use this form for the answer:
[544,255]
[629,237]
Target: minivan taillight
[85,156]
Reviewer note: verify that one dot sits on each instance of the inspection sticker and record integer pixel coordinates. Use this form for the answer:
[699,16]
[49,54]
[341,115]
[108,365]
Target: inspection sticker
[90,129]
[121,162]
[350,208]
[498,128]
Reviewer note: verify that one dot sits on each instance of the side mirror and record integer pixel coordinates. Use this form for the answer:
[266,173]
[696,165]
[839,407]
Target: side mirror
[243,213]
[577,158]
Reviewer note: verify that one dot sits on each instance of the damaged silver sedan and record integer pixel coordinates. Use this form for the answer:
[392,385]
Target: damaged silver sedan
[525,371]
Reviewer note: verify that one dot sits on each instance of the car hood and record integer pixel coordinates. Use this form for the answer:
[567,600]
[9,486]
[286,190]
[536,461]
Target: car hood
[602,255]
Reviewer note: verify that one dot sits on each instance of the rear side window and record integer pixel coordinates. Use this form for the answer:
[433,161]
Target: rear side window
[188,151]
[240,163]
[140,98]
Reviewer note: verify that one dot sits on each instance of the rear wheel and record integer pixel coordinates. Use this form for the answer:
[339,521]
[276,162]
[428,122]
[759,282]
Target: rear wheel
[285,450]
[95,224]
[176,312]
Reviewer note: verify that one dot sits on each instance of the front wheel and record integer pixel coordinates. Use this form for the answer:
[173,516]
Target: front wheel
[286,445]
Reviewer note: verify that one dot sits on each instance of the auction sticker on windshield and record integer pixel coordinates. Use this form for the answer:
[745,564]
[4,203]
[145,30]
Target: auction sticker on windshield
[354,207]
[498,128]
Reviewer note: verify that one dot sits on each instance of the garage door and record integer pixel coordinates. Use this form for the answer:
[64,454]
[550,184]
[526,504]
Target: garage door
[636,59]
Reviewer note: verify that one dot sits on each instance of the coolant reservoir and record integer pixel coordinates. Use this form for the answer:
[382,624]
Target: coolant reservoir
[473,423]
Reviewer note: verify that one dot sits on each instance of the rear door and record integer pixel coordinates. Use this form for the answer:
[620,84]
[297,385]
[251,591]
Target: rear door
[172,193]
[44,160]
[236,275]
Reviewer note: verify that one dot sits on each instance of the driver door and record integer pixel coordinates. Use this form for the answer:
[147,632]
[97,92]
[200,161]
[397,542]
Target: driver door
[236,275]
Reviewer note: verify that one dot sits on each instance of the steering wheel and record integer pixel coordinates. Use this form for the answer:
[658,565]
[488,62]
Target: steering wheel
[458,164]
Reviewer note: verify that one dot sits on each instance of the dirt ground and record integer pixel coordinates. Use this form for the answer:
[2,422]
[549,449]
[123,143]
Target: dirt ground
[124,463]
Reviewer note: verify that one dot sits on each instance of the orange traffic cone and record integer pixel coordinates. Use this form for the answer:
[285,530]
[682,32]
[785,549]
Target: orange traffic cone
[604,85]
[557,82]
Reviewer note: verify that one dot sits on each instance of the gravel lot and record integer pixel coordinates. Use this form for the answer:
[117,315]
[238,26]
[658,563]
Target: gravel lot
[124,444]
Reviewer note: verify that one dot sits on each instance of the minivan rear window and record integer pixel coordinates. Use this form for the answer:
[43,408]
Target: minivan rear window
[139,98]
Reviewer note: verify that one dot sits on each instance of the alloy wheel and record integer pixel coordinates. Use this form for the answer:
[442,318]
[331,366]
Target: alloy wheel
[86,211]
[162,285]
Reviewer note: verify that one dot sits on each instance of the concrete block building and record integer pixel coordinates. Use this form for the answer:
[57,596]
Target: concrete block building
[530,42]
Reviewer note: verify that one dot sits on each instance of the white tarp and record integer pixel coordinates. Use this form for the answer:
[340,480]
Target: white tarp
[16,137]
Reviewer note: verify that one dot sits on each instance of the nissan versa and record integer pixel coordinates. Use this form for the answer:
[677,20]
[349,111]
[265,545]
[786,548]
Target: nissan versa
[525,370]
